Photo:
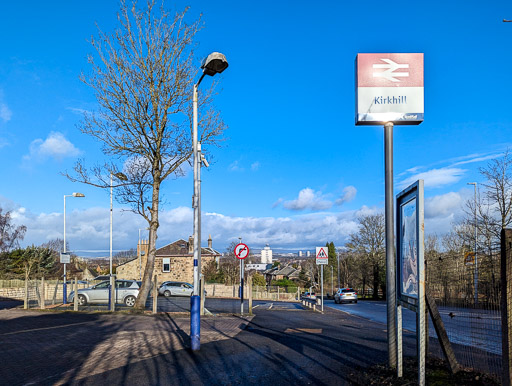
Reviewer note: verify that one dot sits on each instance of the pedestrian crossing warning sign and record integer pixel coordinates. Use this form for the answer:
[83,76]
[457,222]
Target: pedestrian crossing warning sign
[322,256]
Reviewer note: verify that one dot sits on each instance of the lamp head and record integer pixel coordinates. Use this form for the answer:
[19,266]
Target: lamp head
[121,176]
[78,195]
[214,63]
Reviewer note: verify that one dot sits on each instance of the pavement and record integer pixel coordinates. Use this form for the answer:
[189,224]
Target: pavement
[282,344]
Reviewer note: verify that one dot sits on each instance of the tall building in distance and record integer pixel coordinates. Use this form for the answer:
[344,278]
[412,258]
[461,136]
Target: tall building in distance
[266,255]
[308,253]
[300,253]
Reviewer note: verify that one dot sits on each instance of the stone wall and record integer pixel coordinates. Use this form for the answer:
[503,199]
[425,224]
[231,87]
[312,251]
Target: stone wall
[182,269]
[258,293]
[52,291]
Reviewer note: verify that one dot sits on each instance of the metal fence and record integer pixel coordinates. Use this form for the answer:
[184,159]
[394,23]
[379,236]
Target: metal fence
[467,293]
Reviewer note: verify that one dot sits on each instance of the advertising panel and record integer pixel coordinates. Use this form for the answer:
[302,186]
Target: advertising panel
[410,249]
[389,88]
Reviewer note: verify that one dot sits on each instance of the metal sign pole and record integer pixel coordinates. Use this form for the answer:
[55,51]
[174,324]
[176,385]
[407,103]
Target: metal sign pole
[390,256]
[241,287]
[322,281]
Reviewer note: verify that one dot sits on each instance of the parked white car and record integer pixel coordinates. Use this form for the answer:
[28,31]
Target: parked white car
[126,292]
[176,288]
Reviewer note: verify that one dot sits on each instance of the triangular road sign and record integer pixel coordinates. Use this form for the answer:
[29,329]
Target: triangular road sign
[321,254]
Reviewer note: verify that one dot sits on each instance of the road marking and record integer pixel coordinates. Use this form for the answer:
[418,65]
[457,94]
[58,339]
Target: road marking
[257,305]
[308,330]
[271,305]
[46,328]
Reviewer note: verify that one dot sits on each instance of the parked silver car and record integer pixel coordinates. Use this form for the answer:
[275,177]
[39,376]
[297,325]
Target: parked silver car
[345,295]
[126,292]
[176,288]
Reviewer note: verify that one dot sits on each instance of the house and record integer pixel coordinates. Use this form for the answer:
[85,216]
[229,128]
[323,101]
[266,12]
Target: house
[173,262]
[277,273]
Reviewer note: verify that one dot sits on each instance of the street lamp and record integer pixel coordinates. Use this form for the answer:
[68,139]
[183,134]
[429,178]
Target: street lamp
[215,63]
[476,258]
[64,290]
[122,177]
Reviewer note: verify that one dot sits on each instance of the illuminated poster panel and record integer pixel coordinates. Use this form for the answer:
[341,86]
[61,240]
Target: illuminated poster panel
[410,238]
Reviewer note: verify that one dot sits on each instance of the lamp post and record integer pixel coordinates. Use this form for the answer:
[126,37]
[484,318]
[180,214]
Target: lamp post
[64,290]
[121,177]
[213,64]
[338,270]
[476,258]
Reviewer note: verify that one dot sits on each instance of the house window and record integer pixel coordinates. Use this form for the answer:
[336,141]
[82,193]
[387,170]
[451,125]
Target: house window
[166,267]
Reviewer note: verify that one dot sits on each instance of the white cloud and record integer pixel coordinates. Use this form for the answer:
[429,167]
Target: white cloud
[308,199]
[235,167]
[349,193]
[5,112]
[54,146]
[443,205]
[255,166]
[78,111]
[435,178]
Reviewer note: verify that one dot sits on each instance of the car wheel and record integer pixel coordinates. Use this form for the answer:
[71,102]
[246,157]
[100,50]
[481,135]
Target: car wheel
[82,300]
[167,293]
[129,301]
[355,301]
[335,301]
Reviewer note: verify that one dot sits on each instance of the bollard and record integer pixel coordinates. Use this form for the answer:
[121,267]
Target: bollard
[75,299]
[112,294]
[201,294]
[25,300]
[195,325]
[43,303]
[155,295]
[249,284]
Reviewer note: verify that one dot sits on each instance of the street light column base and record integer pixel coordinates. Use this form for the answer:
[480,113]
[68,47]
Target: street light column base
[195,322]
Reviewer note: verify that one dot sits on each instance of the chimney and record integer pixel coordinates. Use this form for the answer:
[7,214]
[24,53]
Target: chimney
[210,241]
[191,244]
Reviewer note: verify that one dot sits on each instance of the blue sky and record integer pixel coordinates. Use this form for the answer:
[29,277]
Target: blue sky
[294,170]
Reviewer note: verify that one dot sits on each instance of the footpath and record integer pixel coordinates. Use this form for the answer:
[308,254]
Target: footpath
[60,348]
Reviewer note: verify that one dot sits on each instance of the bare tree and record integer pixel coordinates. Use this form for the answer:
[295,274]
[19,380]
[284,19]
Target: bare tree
[368,245]
[10,235]
[230,265]
[142,75]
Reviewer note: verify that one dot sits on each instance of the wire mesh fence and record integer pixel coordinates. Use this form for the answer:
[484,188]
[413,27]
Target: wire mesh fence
[466,289]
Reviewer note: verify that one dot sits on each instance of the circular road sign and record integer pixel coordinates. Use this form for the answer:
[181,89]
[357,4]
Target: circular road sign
[241,251]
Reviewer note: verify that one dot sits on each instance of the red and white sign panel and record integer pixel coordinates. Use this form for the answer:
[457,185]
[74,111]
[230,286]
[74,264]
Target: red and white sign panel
[389,88]
[322,255]
[241,251]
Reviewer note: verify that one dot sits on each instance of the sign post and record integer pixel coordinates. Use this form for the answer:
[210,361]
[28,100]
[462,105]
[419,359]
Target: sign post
[322,258]
[389,91]
[65,258]
[241,252]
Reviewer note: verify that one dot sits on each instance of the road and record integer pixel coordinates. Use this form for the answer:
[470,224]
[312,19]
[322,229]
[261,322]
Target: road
[282,344]
[475,328]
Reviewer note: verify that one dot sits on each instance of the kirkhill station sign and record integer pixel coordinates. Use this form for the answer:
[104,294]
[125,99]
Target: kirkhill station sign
[389,88]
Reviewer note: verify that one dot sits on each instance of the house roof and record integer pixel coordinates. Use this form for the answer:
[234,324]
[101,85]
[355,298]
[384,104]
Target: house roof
[286,271]
[180,248]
